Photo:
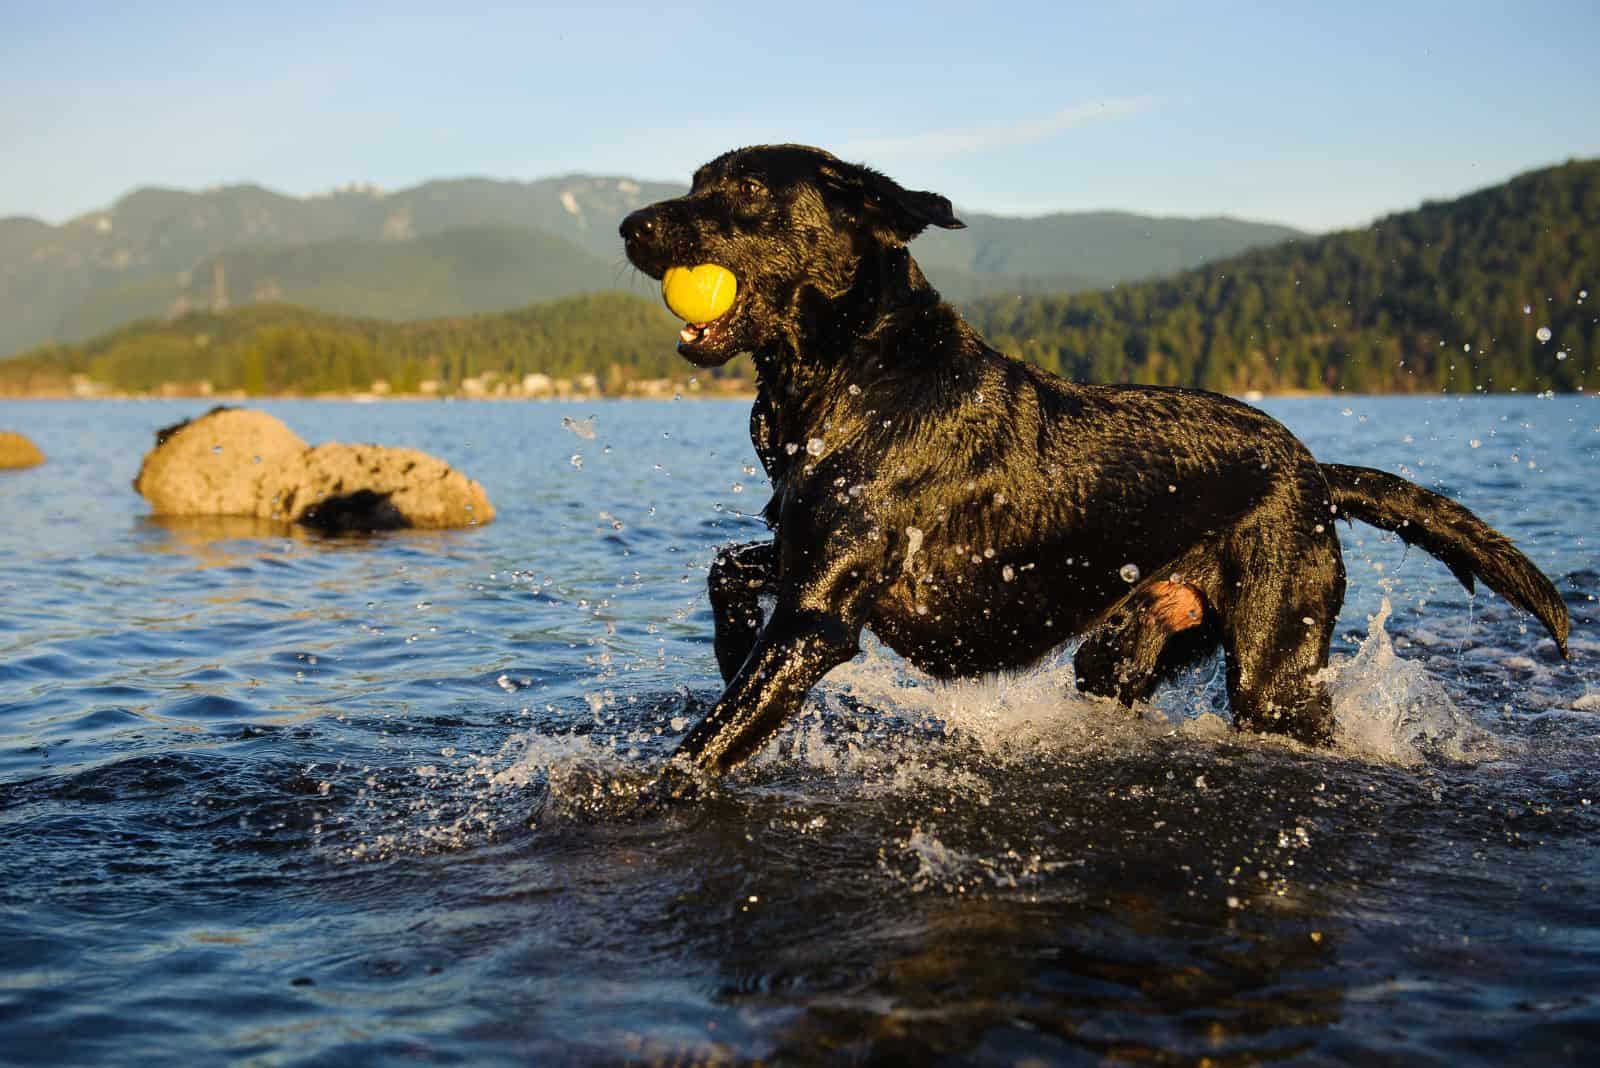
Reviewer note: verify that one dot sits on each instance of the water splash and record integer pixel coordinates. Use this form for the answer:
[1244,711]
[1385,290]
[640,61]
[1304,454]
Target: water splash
[462,800]
[583,428]
[1386,709]
[877,728]
[937,863]
[1391,709]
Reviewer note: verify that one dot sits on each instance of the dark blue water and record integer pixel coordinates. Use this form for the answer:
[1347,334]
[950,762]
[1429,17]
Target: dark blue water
[271,799]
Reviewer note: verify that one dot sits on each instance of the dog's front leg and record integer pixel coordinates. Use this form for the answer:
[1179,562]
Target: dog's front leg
[827,558]
[796,648]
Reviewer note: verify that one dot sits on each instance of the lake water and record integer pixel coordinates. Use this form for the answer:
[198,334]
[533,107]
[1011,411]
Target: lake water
[268,799]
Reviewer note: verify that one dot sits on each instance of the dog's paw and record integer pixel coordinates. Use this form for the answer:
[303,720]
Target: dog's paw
[680,781]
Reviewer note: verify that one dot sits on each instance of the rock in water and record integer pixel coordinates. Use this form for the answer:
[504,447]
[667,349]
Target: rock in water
[213,465]
[18,451]
[232,461]
[337,488]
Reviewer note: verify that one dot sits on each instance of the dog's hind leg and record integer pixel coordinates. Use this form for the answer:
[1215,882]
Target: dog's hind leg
[1280,598]
[740,574]
[1147,638]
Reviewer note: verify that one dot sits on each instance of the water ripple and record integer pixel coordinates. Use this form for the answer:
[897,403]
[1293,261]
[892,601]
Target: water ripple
[269,797]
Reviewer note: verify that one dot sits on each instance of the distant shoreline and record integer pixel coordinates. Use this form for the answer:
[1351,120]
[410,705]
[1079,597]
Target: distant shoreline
[683,395]
[681,392]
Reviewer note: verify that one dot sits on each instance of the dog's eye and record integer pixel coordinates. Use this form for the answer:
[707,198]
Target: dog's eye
[752,188]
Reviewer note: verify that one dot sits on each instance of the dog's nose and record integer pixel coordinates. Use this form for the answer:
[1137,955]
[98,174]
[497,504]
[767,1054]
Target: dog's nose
[639,225]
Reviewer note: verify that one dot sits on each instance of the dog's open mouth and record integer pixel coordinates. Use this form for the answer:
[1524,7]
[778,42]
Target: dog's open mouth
[705,297]
[698,335]
[710,343]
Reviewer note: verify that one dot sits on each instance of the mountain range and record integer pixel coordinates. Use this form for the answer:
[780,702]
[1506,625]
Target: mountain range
[469,245]
[1495,290]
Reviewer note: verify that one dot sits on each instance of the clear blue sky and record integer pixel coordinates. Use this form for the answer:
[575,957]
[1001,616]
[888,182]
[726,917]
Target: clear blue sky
[1320,115]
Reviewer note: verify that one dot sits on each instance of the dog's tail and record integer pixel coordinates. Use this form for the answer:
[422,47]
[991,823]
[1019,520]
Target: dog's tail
[1467,545]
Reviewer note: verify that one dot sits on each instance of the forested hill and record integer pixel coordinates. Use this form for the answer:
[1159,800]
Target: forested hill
[282,349]
[1491,291]
[1458,296]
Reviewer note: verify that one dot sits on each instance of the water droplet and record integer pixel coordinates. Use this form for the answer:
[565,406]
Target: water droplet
[1129,573]
[1466,348]
[855,390]
[1475,443]
[1543,333]
[737,487]
[1008,573]
[791,448]
[1527,309]
[1348,411]
[1561,355]
[815,446]
[217,449]
[576,460]
[857,490]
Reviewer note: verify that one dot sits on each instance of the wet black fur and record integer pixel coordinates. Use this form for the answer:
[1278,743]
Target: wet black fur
[976,512]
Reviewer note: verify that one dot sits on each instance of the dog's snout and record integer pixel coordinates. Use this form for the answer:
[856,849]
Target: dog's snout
[639,225]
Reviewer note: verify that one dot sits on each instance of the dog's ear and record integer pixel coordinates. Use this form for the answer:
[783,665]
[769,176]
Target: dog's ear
[878,200]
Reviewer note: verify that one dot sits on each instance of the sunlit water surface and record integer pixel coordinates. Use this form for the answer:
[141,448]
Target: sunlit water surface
[271,799]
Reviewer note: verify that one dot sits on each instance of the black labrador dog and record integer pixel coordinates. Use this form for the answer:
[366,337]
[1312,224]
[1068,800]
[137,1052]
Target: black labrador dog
[976,512]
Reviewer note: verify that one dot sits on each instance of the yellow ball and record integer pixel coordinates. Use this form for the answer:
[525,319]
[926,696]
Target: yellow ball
[699,294]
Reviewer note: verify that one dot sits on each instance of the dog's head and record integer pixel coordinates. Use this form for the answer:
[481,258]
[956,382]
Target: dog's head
[784,219]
